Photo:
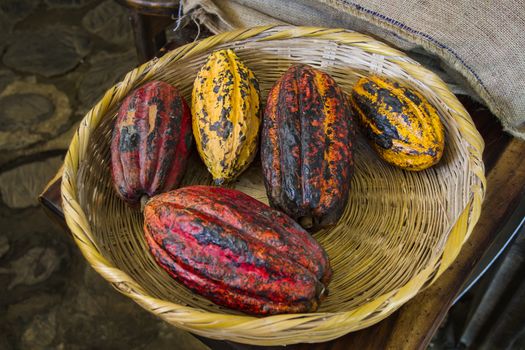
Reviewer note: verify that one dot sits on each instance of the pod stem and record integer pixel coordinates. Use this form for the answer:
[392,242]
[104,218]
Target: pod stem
[143,200]
[218,182]
[306,222]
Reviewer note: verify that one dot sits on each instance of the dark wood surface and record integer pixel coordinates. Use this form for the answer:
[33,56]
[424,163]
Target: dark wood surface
[414,324]
[149,20]
[149,34]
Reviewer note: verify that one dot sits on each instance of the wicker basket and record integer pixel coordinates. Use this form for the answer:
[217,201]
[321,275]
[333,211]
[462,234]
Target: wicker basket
[400,231]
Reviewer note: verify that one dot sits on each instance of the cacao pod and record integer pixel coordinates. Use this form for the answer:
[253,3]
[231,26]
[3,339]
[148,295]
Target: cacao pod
[401,125]
[236,251]
[151,142]
[225,109]
[306,147]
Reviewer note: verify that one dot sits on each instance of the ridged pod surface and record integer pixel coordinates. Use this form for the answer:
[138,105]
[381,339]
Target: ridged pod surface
[236,251]
[401,125]
[151,142]
[226,120]
[306,147]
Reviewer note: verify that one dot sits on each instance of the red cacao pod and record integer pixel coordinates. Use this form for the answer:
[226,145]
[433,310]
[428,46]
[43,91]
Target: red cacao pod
[151,142]
[236,251]
[306,147]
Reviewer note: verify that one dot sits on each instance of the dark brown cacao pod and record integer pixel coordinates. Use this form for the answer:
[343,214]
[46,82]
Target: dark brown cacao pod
[306,147]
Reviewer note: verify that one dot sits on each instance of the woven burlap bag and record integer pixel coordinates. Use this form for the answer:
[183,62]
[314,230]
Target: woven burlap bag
[480,42]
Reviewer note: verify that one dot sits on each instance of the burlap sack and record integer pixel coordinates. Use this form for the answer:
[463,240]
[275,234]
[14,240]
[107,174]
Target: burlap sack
[480,43]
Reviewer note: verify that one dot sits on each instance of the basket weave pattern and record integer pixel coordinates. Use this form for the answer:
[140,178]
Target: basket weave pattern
[399,232]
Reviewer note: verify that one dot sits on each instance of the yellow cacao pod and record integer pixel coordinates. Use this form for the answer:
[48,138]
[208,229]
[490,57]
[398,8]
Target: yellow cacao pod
[401,125]
[225,111]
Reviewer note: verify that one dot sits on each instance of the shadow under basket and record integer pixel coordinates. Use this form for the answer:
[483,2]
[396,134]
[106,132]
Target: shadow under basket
[399,232]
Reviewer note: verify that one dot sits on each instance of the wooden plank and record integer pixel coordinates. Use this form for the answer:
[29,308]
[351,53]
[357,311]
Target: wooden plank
[51,200]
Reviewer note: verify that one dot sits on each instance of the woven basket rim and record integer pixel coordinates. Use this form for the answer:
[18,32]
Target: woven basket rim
[198,321]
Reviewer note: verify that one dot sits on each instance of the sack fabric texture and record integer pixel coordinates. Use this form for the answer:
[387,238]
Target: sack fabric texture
[476,46]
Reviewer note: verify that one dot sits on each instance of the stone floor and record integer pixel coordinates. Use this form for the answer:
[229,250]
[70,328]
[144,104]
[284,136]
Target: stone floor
[56,59]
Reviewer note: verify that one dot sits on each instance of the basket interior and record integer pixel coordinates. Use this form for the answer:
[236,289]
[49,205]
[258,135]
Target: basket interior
[396,222]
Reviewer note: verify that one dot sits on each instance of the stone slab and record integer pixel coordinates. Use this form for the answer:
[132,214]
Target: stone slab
[67,4]
[20,187]
[31,113]
[51,51]
[106,70]
[110,21]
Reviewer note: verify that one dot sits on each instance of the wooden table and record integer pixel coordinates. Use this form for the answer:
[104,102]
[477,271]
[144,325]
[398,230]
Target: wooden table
[414,324]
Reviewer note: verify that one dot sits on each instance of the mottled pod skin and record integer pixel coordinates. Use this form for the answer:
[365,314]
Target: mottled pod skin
[306,147]
[401,125]
[236,251]
[151,142]
[225,110]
